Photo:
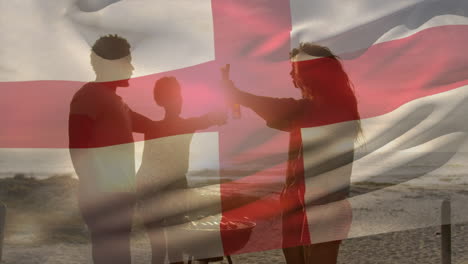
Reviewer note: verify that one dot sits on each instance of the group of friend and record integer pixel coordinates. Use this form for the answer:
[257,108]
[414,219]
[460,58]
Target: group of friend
[100,136]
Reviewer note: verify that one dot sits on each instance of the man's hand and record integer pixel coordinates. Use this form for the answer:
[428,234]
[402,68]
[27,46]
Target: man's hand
[230,91]
[225,71]
[217,117]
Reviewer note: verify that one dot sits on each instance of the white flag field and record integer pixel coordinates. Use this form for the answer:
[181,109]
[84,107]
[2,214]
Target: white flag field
[407,61]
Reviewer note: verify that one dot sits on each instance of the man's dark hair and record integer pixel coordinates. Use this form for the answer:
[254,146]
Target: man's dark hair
[111,47]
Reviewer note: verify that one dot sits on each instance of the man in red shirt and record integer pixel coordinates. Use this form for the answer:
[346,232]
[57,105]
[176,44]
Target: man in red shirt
[102,151]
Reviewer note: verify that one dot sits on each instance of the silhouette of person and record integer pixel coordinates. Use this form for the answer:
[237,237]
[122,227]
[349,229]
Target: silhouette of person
[164,167]
[327,97]
[102,151]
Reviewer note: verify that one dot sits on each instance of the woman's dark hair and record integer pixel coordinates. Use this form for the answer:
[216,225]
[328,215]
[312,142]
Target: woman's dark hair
[313,50]
[326,80]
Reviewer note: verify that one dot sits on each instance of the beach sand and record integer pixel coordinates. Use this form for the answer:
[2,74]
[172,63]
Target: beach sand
[407,247]
[34,206]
